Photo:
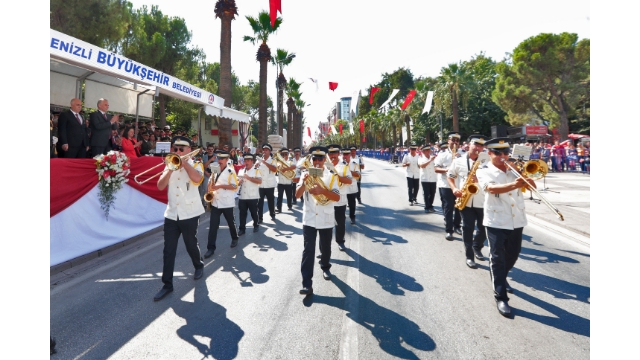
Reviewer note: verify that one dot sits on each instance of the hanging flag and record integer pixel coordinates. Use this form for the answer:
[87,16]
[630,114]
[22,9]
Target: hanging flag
[351,128]
[333,86]
[373,92]
[407,101]
[333,130]
[361,125]
[393,94]
[315,81]
[309,131]
[274,7]
[340,129]
[427,104]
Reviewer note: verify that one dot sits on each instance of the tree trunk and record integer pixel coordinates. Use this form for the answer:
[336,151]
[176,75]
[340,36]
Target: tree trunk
[395,136]
[291,110]
[290,122]
[281,82]
[264,55]
[454,106]
[296,131]
[224,125]
[564,120]
[407,122]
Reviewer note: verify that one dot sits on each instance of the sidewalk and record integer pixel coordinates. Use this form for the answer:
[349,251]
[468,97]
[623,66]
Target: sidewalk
[569,192]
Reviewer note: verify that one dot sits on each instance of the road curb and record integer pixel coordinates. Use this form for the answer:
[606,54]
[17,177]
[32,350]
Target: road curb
[575,236]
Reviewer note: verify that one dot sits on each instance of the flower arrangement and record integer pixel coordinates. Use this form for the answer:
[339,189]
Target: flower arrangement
[112,169]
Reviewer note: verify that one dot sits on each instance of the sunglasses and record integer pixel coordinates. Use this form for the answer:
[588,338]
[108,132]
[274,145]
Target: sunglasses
[318,158]
[501,152]
[176,149]
[455,140]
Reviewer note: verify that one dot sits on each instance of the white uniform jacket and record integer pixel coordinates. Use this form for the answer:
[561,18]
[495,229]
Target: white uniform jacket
[320,216]
[413,171]
[501,211]
[343,171]
[354,166]
[459,170]
[428,173]
[223,198]
[443,161]
[184,200]
[250,190]
[299,168]
[268,176]
[283,179]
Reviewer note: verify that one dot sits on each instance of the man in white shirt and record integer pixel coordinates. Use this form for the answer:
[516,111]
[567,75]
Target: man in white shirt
[224,187]
[317,219]
[410,161]
[472,214]
[428,178]
[504,218]
[444,159]
[352,190]
[344,180]
[250,180]
[182,215]
[358,159]
[284,183]
[268,185]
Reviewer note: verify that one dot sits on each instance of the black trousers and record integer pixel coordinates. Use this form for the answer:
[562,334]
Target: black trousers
[429,192]
[268,192]
[470,217]
[252,206]
[76,152]
[282,189]
[309,252]
[351,201]
[340,213]
[413,186]
[504,249]
[358,193]
[214,225]
[172,230]
[452,218]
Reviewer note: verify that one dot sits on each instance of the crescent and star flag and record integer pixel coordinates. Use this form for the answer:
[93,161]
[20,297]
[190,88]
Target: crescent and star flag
[309,131]
[361,125]
[274,7]
[427,104]
[373,92]
[333,86]
[340,129]
[407,101]
[393,94]
[351,128]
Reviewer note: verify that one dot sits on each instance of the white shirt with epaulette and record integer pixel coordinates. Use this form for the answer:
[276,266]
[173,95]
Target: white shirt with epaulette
[268,176]
[223,198]
[459,170]
[283,179]
[250,190]
[413,171]
[343,170]
[320,216]
[354,166]
[427,173]
[443,161]
[183,197]
[501,211]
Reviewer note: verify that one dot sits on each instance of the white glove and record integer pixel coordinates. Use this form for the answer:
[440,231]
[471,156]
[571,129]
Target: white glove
[55,140]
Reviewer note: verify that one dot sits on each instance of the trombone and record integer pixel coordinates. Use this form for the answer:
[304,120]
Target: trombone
[535,170]
[172,161]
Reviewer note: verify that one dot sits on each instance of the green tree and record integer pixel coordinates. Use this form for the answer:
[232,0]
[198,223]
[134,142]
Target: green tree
[281,60]
[262,29]
[547,75]
[226,10]
[451,90]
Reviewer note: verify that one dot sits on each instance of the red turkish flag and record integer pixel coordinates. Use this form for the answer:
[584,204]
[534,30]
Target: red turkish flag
[373,92]
[333,86]
[274,7]
[340,129]
[361,125]
[309,131]
[412,93]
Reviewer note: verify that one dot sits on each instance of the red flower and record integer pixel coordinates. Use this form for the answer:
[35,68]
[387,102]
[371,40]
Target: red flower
[105,174]
[112,172]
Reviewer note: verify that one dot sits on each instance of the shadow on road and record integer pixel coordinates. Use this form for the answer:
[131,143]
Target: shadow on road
[390,280]
[543,257]
[241,264]
[207,319]
[558,288]
[389,328]
[560,318]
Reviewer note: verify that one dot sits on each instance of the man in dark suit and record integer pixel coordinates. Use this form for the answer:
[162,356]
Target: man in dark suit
[72,132]
[101,125]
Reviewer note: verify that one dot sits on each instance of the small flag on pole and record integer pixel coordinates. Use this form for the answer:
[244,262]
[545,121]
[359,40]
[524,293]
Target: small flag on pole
[373,92]
[333,86]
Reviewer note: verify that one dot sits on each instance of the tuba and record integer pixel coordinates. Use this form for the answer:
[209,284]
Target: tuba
[315,178]
[281,163]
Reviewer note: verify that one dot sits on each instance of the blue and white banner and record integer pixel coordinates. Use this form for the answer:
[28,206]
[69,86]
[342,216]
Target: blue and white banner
[77,52]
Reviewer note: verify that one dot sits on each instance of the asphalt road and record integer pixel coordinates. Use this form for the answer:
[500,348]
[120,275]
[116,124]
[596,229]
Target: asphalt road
[399,291]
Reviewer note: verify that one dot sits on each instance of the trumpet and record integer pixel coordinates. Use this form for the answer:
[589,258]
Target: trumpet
[535,170]
[172,161]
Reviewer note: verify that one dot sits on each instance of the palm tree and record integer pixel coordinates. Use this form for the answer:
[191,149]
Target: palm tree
[451,90]
[282,59]
[226,10]
[262,28]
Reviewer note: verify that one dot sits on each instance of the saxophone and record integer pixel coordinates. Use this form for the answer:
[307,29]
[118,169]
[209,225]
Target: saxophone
[315,179]
[469,188]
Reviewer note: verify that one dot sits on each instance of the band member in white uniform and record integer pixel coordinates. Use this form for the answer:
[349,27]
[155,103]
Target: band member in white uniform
[504,218]
[444,159]
[250,180]
[345,179]
[317,219]
[224,187]
[284,184]
[358,159]
[410,161]
[268,185]
[352,190]
[472,214]
[428,178]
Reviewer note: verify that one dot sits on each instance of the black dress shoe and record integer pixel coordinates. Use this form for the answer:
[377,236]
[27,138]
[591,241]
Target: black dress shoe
[198,274]
[509,288]
[240,232]
[208,254]
[260,221]
[471,264]
[234,242]
[458,231]
[432,210]
[353,221]
[478,254]
[273,218]
[278,211]
[503,308]
[290,209]
[426,210]
[341,246]
[410,202]
[306,291]
[449,236]
[255,229]
[326,274]
[318,256]
[162,293]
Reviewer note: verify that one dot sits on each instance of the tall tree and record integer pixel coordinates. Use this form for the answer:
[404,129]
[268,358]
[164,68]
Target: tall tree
[451,90]
[281,60]
[262,29]
[226,10]
[548,75]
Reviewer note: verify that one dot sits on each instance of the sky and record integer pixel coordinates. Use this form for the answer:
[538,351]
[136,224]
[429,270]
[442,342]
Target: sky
[354,42]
